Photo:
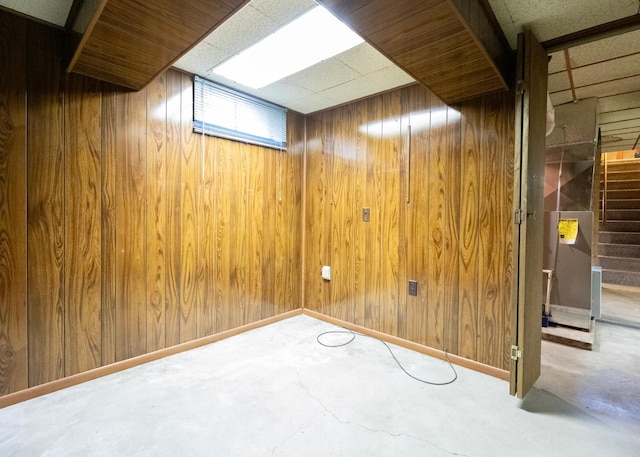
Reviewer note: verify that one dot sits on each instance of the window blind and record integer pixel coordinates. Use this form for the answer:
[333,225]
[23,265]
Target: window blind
[226,113]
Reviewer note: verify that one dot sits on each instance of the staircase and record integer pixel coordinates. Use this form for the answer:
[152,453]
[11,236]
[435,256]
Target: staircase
[619,239]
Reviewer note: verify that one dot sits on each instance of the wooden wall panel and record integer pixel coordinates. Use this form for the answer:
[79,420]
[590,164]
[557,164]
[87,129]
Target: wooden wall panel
[13,206]
[317,248]
[190,176]
[156,213]
[223,230]
[82,241]
[122,231]
[374,196]
[438,187]
[344,215]
[131,205]
[459,183]
[239,264]
[269,206]
[206,239]
[360,201]
[288,216]
[469,228]
[415,225]
[256,228]
[45,206]
[389,167]
[108,223]
[452,233]
[174,218]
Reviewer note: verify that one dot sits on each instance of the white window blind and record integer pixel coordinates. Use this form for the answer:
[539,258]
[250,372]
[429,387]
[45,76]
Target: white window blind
[226,113]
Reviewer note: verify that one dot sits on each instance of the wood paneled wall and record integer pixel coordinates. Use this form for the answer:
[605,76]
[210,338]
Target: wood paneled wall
[121,231]
[439,184]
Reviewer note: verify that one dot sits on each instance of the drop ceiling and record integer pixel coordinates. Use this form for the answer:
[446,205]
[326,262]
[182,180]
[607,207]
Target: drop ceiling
[354,74]
[607,68]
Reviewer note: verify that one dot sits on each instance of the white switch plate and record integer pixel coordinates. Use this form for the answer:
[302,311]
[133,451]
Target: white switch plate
[326,272]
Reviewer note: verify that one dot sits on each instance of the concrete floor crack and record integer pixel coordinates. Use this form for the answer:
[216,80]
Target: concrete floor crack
[370,430]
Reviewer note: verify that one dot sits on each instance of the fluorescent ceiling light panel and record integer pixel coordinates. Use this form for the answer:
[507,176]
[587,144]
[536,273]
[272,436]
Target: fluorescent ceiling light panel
[309,39]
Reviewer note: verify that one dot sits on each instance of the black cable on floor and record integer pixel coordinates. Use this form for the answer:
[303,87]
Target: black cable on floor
[353,337]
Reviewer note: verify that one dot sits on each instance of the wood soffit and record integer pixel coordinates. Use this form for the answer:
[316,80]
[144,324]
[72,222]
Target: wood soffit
[129,42]
[450,46]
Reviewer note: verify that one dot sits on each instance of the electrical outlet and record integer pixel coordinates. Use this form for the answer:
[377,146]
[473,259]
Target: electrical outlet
[366,214]
[413,287]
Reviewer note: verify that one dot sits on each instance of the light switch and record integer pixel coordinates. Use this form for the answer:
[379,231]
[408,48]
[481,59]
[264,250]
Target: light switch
[326,272]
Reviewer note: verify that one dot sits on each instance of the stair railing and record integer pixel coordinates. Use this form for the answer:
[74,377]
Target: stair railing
[604,190]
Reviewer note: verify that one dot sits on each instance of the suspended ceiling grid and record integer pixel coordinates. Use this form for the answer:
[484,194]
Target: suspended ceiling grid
[608,69]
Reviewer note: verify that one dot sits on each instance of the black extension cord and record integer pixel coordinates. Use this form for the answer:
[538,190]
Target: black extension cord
[353,337]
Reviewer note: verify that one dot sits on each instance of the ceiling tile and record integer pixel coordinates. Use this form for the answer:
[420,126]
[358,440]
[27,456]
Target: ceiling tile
[609,88]
[560,98]
[558,82]
[614,131]
[324,75]
[312,103]
[283,11]
[618,102]
[619,147]
[201,59]
[626,124]
[616,116]
[551,19]
[282,92]
[381,80]
[364,59]
[245,28]
[605,71]
[52,11]
[609,48]
[557,62]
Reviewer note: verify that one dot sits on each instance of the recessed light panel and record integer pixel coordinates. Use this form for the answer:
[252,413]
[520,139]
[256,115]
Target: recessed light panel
[311,38]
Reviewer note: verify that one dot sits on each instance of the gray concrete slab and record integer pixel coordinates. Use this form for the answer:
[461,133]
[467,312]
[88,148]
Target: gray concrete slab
[275,391]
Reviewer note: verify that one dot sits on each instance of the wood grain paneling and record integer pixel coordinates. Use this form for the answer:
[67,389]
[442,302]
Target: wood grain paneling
[82,241]
[317,215]
[174,219]
[127,43]
[190,176]
[469,228]
[452,233]
[450,46]
[131,188]
[13,206]
[141,234]
[457,178]
[206,239]
[374,195]
[45,206]
[223,230]
[438,187]
[108,223]
[156,213]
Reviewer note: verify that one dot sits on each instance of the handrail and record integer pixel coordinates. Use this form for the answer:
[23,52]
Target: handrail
[604,190]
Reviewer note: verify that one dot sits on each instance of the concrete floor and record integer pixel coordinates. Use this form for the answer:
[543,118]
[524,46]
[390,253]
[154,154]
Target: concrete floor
[276,392]
[621,304]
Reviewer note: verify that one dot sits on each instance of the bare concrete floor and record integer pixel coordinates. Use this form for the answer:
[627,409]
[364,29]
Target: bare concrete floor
[621,304]
[276,392]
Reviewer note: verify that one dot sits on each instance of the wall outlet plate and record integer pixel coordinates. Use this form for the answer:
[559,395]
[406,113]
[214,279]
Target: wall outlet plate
[413,287]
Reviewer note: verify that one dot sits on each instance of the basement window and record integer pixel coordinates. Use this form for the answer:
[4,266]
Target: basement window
[226,113]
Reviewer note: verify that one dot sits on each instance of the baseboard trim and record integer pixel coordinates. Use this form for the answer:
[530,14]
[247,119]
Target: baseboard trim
[460,361]
[63,383]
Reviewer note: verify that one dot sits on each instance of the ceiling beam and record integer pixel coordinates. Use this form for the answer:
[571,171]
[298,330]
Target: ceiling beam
[598,32]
